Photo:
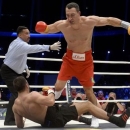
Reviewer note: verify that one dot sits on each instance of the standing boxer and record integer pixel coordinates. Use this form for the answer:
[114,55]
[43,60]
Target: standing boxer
[78,60]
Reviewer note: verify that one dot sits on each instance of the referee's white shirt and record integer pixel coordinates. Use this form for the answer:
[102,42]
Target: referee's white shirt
[16,56]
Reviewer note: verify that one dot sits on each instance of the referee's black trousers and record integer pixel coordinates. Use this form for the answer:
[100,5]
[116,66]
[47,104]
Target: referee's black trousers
[8,75]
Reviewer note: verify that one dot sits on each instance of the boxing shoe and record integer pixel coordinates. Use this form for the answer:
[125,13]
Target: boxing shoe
[95,122]
[122,119]
[9,123]
[85,120]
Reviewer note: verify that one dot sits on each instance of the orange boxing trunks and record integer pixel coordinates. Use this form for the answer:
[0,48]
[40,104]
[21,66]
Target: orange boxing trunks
[77,65]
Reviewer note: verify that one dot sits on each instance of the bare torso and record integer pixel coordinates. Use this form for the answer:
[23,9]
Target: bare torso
[29,109]
[78,38]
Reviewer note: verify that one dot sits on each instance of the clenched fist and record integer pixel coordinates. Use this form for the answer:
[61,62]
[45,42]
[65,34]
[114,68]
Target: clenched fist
[47,90]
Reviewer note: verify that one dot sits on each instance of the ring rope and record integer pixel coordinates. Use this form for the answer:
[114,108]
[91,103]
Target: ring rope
[56,72]
[104,87]
[95,61]
[103,101]
[6,102]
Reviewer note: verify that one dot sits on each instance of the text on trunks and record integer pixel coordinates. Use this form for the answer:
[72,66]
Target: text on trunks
[78,57]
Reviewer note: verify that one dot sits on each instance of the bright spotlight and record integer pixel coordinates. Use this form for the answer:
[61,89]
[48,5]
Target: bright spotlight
[108,52]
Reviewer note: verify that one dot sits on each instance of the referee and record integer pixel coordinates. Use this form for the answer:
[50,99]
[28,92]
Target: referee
[15,63]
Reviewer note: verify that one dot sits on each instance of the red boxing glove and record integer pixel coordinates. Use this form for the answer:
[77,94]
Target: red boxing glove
[47,90]
[41,27]
[129,30]
[45,93]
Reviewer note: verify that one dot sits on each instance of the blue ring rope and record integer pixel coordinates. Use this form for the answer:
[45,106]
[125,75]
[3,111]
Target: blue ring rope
[57,35]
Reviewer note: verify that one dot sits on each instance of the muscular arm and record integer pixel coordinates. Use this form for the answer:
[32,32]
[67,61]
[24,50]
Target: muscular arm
[18,119]
[103,21]
[53,28]
[42,27]
[120,106]
[43,100]
[104,105]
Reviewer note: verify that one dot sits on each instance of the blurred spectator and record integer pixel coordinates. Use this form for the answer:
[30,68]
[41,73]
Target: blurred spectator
[1,100]
[119,111]
[106,95]
[100,96]
[84,96]
[73,93]
[112,107]
[128,104]
[95,93]
[64,92]
[63,95]
[0,95]
[80,96]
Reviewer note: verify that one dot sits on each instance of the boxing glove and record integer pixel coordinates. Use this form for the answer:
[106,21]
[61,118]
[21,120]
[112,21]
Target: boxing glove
[129,30]
[41,27]
[47,90]
[126,25]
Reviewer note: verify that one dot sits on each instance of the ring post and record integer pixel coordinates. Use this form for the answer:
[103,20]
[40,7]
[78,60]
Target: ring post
[68,92]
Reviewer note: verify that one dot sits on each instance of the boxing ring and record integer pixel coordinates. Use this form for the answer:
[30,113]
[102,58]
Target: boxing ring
[73,124]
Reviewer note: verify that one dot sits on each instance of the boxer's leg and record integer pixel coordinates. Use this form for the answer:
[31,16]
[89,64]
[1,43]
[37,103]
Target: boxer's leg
[87,81]
[100,113]
[64,75]
[59,87]
[91,97]
[90,94]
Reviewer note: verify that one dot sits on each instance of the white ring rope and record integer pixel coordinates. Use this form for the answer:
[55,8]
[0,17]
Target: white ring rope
[95,61]
[66,101]
[6,102]
[56,72]
[104,87]
[98,73]
[103,101]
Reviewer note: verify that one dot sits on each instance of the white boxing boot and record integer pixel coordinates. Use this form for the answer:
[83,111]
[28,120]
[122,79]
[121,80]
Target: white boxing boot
[95,122]
[58,93]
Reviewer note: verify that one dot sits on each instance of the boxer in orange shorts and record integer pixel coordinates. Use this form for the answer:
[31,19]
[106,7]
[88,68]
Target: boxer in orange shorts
[79,66]
[78,31]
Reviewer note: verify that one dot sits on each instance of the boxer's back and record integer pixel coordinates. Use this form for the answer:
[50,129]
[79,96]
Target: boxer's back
[25,106]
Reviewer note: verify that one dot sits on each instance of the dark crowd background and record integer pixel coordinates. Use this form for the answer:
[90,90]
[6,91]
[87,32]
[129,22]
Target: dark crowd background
[108,43]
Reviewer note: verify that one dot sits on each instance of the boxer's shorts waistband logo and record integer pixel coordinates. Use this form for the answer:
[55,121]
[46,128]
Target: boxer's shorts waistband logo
[78,57]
